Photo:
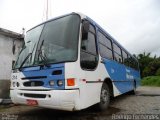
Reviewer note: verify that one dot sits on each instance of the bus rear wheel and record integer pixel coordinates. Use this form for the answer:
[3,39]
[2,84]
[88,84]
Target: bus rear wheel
[104,97]
[133,92]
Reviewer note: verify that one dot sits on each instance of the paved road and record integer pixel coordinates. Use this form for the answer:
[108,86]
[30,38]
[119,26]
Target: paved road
[146,101]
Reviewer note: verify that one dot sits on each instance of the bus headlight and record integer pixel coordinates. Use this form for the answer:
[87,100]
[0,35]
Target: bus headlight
[51,83]
[18,84]
[59,82]
[14,84]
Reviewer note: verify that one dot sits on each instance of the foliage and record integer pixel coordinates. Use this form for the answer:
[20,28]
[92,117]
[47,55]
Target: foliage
[151,81]
[149,66]
[158,72]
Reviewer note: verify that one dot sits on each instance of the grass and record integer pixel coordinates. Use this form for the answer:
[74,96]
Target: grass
[151,81]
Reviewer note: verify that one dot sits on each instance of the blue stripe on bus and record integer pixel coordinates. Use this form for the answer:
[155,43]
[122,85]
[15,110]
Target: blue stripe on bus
[121,76]
[46,71]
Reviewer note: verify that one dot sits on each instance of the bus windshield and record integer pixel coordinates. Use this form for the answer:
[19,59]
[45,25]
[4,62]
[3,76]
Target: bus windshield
[52,42]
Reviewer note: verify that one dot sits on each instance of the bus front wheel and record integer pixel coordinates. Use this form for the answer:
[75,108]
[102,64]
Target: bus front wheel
[104,97]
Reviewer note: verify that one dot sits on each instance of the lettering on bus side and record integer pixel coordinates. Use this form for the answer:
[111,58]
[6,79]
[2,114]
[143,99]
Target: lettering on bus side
[128,74]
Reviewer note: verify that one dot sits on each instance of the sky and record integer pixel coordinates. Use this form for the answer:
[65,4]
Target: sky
[135,24]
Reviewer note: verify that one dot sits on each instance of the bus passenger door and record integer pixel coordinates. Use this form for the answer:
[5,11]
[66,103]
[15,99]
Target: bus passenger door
[89,63]
[89,56]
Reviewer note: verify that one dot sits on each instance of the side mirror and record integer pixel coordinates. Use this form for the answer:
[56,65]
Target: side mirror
[85,29]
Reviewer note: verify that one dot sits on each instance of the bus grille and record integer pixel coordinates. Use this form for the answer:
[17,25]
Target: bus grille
[34,77]
[35,95]
[33,83]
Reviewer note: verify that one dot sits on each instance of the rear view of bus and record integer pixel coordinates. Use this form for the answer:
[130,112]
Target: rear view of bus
[60,67]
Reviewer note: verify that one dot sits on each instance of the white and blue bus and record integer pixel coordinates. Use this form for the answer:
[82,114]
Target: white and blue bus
[71,63]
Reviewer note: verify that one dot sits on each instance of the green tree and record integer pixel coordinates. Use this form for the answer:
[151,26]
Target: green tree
[154,66]
[144,60]
[158,72]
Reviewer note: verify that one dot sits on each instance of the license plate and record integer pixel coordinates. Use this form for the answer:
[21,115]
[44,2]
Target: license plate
[32,102]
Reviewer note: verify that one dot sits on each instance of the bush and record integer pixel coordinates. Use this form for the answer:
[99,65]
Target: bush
[151,81]
[146,72]
[158,72]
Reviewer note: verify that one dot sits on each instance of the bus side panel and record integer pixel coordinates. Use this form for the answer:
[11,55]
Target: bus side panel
[136,75]
[120,76]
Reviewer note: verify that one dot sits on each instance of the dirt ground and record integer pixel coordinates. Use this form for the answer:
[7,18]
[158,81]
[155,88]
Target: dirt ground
[146,101]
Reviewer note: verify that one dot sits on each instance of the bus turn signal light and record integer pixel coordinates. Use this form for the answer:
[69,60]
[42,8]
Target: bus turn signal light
[70,82]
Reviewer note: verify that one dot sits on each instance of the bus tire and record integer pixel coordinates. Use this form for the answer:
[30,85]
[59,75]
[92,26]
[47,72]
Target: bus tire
[133,92]
[104,97]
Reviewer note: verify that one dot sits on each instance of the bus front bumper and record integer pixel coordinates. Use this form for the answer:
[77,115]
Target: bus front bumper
[55,99]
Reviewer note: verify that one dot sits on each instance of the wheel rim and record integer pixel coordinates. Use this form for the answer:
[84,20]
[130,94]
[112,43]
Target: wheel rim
[104,96]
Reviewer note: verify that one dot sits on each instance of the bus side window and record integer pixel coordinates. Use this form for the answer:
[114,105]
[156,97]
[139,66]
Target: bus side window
[89,56]
[125,58]
[117,53]
[105,46]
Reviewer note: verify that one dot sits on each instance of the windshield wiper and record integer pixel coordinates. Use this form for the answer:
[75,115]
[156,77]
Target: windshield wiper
[29,54]
[24,61]
[42,55]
